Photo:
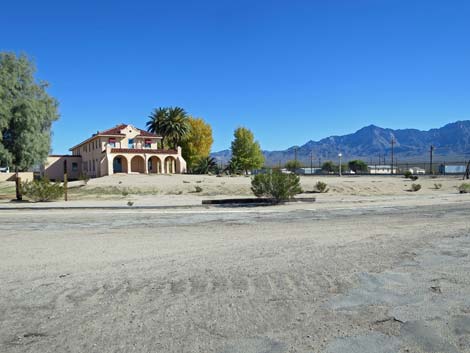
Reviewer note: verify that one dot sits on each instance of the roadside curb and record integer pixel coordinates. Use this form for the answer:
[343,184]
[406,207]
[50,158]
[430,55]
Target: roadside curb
[51,208]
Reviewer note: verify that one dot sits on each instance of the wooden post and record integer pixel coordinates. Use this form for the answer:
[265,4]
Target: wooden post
[65,180]
[19,197]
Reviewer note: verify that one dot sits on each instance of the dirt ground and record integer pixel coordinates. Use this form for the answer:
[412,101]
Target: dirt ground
[368,274]
[240,185]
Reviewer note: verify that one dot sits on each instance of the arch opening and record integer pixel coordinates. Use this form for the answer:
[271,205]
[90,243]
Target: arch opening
[137,164]
[154,165]
[120,164]
[170,165]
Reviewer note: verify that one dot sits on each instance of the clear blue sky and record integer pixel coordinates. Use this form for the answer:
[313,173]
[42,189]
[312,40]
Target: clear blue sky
[289,70]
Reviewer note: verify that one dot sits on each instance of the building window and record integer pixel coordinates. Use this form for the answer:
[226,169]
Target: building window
[131,143]
[148,144]
[93,165]
[74,166]
[112,142]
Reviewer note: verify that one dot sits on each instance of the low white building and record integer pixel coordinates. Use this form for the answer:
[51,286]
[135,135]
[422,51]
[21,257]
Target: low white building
[382,169]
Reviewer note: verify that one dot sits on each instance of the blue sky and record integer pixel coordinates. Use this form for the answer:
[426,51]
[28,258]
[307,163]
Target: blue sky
[289,70]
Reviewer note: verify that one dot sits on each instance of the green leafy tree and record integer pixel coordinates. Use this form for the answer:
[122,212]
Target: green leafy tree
[246,152]
[197,143]
[26,115]
[329,167]
[293,165]
[358,166]
[171,123]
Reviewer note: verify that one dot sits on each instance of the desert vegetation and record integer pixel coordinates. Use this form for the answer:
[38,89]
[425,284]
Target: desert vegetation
[42,190]
[281,187]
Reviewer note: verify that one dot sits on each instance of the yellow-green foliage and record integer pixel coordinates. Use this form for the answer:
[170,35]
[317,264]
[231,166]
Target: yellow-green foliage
[464,188]
[42,190]
[321,187]
[197,143]
[246,152]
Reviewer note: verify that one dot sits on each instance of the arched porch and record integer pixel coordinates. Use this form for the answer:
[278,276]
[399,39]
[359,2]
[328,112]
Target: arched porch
[138,164]
[170,165]
[154,165]
[120,164]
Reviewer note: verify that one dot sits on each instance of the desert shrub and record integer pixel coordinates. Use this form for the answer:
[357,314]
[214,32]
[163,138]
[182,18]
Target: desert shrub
[279,186]
[125,193]
[415,187]
[464,188]
[437,186]
[130,203]
[197,188]
[407,174]
[414,177]
[42,190]
[321,187]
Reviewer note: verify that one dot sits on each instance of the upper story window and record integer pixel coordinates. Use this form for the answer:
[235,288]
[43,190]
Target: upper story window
[148,144]
[112,142]
[131,143]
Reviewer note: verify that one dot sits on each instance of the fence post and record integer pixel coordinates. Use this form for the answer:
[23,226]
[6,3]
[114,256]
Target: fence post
[65,180]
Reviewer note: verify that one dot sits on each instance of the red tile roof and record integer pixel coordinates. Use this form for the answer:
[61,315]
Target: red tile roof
[142,150]
[117,131]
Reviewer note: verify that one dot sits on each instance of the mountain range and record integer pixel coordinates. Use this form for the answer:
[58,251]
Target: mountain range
[373,144]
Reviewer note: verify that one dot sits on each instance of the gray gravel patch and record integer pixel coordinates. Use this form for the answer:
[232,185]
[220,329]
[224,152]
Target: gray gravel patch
[372,343]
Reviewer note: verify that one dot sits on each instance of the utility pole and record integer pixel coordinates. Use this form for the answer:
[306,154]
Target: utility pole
[431,171]
[295,155]
[311,162]
[393,142]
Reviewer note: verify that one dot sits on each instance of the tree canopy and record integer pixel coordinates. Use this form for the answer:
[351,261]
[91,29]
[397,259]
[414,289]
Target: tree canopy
[26,114]
[329,167]
[246,152]
[197,143]
[171,123]
[358,166]
[293,165]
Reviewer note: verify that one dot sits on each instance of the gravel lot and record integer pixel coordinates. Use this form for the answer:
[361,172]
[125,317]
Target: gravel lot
[360,278]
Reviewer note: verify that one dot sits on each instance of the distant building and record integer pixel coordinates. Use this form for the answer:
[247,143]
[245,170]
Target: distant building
[122,149]
[308,171]
[381,169]
[452,169]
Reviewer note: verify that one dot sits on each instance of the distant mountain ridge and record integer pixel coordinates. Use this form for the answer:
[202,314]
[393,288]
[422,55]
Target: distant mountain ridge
[451,142]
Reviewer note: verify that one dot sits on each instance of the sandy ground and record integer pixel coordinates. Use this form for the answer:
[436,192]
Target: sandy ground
[240,185]
[178,190]
[368,275]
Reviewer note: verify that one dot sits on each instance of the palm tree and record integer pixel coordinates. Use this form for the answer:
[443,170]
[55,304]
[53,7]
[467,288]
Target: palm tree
[156,122]
[206,165]
[171,123]
[176,125]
